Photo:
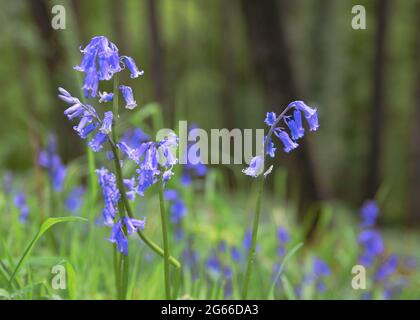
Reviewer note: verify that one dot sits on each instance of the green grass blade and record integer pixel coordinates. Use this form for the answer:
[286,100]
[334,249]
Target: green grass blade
[44,227]
[290,254]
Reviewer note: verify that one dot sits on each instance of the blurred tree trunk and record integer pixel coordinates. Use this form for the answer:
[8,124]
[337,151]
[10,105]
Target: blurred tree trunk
[156,53]
[414,177]
[377,113]
[118,8]
[52,56]
[227,64]
[273,66]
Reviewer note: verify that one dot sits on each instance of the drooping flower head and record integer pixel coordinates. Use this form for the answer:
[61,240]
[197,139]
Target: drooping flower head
[294,123]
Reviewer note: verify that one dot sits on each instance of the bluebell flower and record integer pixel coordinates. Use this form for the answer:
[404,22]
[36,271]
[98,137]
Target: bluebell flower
[170,194]
[134,137]
[146,178]
[100,62]
[214,266]
[387,268]
[130,103]
[74,199]
[20,203]
[288,143]
[134,224]
[84,131]
[373,246]
[320,268]
[295,125]
[369,213]
[130,184]
[110,193]
[194,166]
[248,240]
[118,237]
[131,65]
[235,254]
[282,235]
[97,142]
[105,97]
[178,211]
[50,160]
[255,167]
[131,153]
[270,118]
[106,123]
[270,150]
[228,287]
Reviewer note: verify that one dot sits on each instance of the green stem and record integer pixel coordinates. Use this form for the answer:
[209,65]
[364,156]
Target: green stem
[253,239]
[122,264]
[165,241]
[251,257]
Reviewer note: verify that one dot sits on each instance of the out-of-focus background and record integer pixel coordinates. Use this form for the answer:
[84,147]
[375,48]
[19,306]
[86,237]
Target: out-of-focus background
[225,64]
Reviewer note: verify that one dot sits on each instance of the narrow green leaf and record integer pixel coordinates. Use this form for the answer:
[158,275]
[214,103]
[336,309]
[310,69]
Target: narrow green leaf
[290,254]
[44,227]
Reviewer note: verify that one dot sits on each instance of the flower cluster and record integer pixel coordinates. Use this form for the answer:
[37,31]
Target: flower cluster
[373,247]
[51,161]
[155,160]
[297,131]
[101,61]
[118,235]
[110,194]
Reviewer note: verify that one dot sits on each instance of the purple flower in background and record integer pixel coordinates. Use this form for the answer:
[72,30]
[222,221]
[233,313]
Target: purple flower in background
[194,166]
[50,160]
[7,182]
[214,266]
[127,92]
[247,241]
[20,203]
[283,238]
[369,213]
[282,235]
[372,244]
[235,254]
[74,199]
[320,268]
[387,268]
